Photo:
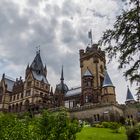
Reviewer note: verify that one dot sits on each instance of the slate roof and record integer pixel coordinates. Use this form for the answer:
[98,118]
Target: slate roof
[40,77]
[107,81]
[62,87]
[73,92]
[87,73]
[129,95]
[9,82]
[37,64]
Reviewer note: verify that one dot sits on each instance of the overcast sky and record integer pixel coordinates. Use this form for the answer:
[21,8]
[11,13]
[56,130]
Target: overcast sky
[60,27]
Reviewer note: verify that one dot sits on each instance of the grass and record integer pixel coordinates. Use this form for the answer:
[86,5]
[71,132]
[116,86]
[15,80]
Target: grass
[92,133]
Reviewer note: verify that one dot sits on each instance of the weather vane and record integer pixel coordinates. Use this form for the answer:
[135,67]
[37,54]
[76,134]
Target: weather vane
[90,36]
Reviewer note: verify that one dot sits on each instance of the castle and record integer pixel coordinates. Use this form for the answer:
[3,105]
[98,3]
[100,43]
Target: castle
[95,99]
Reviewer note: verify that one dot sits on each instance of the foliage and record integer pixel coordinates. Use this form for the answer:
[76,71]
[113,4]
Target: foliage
[112,125]
[133,133]
[115,126]
[123,41]
[58,126]
[106,124]
[98,126]
[49,125]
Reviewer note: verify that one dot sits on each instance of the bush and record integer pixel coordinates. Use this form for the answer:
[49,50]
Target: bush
[115,126]
[106,124]
[133,133]
[112,125]
[99,126]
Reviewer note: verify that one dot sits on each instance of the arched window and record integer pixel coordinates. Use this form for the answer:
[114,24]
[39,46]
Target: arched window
[9,108]
[13,108]
[98,117]
[26,104]
[16,107]
[20,107]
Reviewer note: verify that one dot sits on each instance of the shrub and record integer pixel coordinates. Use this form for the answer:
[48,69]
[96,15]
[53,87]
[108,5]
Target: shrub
[99,126]
[133,133]
[106,124]
[115,126]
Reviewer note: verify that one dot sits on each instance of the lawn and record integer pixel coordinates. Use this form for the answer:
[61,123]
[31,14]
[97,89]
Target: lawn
[92,133]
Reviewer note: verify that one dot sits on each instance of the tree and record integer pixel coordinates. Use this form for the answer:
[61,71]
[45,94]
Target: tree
[47,126]
[123,41]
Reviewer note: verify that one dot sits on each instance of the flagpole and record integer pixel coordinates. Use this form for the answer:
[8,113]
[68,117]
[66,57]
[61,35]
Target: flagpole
[91,38]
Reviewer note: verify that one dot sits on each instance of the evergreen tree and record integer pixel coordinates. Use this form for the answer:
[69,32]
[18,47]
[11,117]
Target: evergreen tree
[123,41]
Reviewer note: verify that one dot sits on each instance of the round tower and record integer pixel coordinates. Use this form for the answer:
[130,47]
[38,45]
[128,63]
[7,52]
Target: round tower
[108,90]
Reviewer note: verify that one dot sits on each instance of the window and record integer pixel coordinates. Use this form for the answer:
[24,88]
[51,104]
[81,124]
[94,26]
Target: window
[14,97]
[37,84]
[17,96]
[67,104]
[86,98]
[71,104]
[21,95]
[28,93]
[29,84]
[41,94]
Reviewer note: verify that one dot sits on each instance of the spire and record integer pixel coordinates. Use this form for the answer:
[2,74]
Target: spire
[62,76]
[129,95]
[107,80]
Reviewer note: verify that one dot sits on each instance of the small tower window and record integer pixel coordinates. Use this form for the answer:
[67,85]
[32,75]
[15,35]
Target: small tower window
[86,98]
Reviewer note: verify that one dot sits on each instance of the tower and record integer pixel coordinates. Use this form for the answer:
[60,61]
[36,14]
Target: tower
[93,58]
[129,97]
[87,89]
[108,90]
[60,91]
[36,87]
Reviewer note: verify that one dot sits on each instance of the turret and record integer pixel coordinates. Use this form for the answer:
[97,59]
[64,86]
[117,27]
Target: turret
[61,90]
[87,90]
[108,90]
[129,97]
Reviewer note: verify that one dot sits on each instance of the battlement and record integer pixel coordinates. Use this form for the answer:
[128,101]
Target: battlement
[95,49]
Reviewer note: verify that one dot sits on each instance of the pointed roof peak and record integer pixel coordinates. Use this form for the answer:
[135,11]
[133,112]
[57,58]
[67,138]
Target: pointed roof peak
[37,64]
[107,80]
[62,75]
[38,49]
[129,95]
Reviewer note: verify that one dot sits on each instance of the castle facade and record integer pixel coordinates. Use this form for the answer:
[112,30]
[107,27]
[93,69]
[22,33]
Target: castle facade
[95,99]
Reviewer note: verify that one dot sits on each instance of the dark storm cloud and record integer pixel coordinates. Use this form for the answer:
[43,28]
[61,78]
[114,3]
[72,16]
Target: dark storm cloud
[60,32]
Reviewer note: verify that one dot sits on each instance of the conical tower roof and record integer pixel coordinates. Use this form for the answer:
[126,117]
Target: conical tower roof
[37,64]
[129,95]
[107,81]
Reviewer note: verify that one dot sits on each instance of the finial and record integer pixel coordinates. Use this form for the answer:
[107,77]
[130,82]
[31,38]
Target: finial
[62,77]
[90,36]
[38,49]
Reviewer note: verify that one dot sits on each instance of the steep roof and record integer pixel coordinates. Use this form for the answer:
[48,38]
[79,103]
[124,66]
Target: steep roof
[129,95]
[37,64]
[107,80]
[62,87]
[38,69]
[9,82]
[87,73]
[73,92]
[40,77]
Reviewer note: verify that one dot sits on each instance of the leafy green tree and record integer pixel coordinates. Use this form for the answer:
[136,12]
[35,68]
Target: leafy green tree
[58,126]
[123,41]
[47,126]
